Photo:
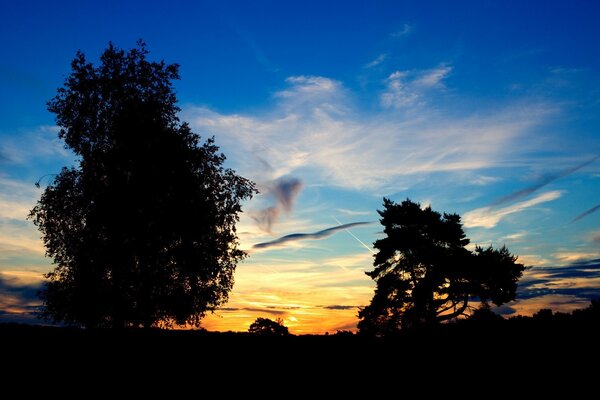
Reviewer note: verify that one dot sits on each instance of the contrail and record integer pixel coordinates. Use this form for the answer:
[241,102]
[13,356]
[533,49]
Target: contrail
[302,236]
[352,234]
[586,213]
[543,182]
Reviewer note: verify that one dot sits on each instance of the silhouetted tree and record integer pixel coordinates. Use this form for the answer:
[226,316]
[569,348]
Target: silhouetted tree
[268,327]
[484,314]
[142,230]
[344,333]
[425,274]
[544,314]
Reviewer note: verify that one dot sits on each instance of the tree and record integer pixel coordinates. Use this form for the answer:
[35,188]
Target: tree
[425,274]
[142,229]
[268,327]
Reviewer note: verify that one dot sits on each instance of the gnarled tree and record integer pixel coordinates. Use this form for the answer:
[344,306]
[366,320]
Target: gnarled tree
[425,274]
[142,230]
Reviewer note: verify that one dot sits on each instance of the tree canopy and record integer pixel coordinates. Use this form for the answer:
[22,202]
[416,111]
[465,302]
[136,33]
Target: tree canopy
[268,327]
[425,274]
[142,229]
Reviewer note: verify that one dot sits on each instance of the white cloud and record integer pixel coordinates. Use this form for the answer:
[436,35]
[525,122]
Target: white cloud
[533,260]
[378,60]
[568,257]
[409,88]
[398,93]
[17,235]
[482,180]
[433,77]
[309,85]
[405,30]
[315,132]
[31,146]
[489,217]
[16,199]
[515,237]
[354,213]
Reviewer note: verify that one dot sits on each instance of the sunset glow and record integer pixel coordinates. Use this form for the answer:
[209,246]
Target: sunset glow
[486,109]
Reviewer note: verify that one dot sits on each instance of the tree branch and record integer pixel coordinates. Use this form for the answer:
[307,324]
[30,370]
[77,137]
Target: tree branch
[456,313]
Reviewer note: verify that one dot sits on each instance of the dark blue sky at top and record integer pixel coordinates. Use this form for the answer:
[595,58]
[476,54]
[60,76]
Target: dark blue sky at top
[233,55]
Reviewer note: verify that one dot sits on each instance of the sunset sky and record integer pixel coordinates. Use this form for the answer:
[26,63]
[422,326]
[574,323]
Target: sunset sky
[490,109]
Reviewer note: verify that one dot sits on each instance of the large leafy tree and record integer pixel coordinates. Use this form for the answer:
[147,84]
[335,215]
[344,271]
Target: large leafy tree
[142,229]
[425,274]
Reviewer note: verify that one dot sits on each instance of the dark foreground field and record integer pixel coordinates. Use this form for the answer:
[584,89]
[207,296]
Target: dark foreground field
[518,338]
[485,359]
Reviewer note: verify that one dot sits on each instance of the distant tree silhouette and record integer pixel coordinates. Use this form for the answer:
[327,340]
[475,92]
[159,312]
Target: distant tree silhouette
[142,230]
[424,273]
[544,314]
[484,314]
[268,327]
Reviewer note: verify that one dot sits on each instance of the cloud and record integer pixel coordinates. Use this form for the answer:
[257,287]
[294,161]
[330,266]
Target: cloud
[543,182]
[556,302]
[378,60]
[339,307]
[300,285]
[433,77]
[482,180]
[17,235]
[267,310]
[303,236]
[404,31]
[315,130]
[284,192]
[580,278]
[586,213]
[309,85]
[18,302]
[504,310]
[353,213]
[574,256]
[398,94]
[489,217]
[39,144]
[408,88]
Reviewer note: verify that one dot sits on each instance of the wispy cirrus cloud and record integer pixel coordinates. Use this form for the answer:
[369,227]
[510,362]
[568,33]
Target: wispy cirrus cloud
[315,131]
[489,217]
[353,213]
[546,180]
[376,61]
[34,145]
[409,88]
[405,30]
[17,235]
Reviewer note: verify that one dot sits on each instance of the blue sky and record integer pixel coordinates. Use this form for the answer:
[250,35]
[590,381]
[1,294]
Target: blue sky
[330,107]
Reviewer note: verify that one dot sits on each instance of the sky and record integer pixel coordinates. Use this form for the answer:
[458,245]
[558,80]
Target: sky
[483,108]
